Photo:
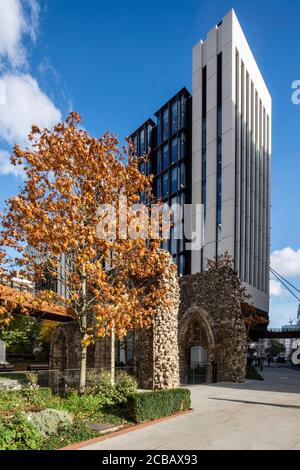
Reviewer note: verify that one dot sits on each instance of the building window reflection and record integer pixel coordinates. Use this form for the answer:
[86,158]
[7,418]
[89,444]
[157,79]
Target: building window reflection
[174,117]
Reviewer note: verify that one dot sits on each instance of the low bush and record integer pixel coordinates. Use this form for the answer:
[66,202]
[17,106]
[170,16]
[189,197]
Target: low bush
[49,421]
[111,395]
[16,433]
[147,406]
[77,432]
[126,385]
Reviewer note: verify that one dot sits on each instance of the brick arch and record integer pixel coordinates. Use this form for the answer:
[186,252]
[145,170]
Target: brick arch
[195,329]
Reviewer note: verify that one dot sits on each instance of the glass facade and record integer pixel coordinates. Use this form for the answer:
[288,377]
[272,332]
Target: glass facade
[169,155]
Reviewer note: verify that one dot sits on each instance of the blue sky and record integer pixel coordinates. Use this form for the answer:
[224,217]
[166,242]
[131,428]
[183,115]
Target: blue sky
[117,62]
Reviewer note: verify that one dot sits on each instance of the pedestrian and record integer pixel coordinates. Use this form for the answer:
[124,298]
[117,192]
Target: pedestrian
[261,363]
[269,360]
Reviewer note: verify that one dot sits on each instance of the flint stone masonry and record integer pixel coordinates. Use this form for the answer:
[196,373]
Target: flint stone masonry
[210,316]
[200,310]
[156,353]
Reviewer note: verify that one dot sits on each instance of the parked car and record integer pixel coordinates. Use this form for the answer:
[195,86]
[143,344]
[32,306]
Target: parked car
[280,359]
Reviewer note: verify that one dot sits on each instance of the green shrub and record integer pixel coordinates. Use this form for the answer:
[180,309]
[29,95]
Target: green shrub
[147,406]
[16,433]
[49,421]
[111,395]
[44,393]
[77,432]
[96,377]
[126,385]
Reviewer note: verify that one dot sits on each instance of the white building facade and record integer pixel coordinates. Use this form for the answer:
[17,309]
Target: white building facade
[231,156]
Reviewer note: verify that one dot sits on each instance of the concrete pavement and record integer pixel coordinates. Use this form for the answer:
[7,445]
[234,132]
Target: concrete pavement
[254,415]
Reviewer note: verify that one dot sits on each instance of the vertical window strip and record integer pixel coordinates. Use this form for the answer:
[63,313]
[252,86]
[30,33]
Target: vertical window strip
[252,190]
[242,178]
[203,151]
[237,164]
[219,156]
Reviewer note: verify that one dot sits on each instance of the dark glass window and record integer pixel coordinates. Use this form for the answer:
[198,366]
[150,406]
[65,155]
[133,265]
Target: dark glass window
[173,241]
[204,133]
[142,142]
[181,241]
[181,264]
[149,136]
[219,147]
[149,166]
[182,111]
[182,152]
[165,160]
[165,185]
[174,180]
[158,136]
[182,201]
[174,117]
[135,144]
[219,122]
[182,175]
[158,188]
[174,150]
[158,161]
[165,124]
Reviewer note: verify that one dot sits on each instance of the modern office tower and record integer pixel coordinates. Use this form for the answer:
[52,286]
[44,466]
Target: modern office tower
[231,148]
[225,153]
[169,142]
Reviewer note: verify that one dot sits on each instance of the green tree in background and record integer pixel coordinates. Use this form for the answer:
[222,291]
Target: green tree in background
[275,347]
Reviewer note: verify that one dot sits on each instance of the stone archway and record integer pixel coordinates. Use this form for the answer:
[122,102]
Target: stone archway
[194,329]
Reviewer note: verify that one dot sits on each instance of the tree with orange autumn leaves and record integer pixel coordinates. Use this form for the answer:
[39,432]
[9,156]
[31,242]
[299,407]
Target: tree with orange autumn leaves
[111,284]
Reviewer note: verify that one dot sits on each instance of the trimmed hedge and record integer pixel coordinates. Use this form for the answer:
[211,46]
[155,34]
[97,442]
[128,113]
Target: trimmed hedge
[147,406]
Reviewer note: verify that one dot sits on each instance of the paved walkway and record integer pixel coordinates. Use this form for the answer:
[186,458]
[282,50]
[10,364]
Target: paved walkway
[254,415]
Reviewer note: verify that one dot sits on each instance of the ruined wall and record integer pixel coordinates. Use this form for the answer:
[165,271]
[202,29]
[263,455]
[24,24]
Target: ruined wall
[203,311]
[156,350]
[210,316]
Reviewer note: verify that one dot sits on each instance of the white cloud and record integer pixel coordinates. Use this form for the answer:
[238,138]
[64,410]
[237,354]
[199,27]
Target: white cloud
[26,104]
[276,288]
[6,168]
[286,262]
[16,20]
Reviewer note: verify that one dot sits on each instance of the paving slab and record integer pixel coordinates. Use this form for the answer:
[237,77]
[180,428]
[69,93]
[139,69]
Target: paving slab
[254,415]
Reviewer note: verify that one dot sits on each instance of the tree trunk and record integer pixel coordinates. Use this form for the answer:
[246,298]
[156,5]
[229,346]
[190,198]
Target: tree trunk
[83,359]
[112,356]
[83,362]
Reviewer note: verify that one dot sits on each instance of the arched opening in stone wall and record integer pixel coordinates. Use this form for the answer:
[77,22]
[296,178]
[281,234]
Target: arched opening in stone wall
[196,347]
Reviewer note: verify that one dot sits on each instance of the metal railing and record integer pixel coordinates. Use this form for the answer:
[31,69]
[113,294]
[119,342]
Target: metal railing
[56,379]
[200,373]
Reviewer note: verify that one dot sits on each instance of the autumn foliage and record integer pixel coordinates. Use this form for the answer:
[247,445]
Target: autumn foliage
[52,226]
